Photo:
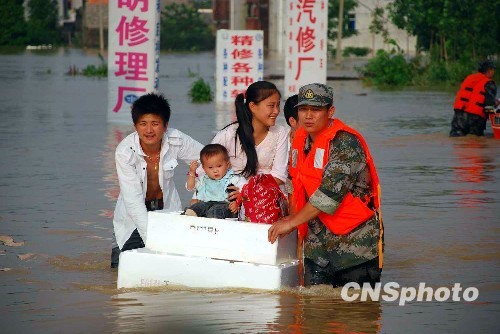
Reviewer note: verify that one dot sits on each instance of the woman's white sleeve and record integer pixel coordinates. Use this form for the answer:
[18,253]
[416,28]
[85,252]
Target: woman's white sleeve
[280,163]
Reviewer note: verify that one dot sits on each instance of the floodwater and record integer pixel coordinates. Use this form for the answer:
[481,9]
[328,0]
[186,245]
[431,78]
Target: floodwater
[58,187]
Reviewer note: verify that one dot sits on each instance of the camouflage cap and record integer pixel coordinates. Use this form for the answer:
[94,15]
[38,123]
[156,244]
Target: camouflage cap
[315,94]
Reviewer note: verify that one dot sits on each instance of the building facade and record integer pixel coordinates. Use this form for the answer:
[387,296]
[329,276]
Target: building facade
[361,18]
[269,16]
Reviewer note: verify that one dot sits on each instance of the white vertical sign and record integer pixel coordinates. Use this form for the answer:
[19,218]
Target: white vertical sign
[306,43]
[133,54]
[239,62]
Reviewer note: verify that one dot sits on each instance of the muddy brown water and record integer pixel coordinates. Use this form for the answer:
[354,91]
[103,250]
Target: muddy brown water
[58,187]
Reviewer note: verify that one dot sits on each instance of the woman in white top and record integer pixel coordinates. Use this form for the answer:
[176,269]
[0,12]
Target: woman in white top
[254,142]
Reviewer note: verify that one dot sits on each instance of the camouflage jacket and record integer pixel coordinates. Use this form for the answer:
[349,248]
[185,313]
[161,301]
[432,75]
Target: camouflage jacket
[345,171]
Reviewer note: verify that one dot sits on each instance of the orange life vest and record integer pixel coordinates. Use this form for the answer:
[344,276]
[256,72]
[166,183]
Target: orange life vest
[307,172]
[470,97]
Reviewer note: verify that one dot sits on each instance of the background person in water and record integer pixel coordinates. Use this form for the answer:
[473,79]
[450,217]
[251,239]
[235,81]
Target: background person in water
[291,114]
[476,97]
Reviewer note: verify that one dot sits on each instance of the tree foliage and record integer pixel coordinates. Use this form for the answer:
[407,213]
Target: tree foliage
[183,28]
[378,26]
[451,29]
[12,24]
[200,91]
[333,19]
[387,69]
[43,25]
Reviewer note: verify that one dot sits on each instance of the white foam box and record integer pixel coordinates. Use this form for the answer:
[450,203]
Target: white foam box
[217,238]
[140,268]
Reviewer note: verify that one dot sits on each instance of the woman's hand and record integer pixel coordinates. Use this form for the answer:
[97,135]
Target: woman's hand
[233,207]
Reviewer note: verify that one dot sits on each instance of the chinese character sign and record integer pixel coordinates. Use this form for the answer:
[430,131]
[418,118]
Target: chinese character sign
[306,43]
[133,54]
[239,62]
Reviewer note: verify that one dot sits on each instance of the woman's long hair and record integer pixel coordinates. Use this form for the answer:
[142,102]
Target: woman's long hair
[256,92]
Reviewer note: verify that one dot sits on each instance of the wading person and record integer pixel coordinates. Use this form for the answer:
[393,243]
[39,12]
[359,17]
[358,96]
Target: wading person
[476,97]
[145,163]
[335,196]
[211,190]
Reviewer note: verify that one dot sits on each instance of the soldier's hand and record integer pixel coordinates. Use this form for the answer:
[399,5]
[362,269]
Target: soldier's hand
[282,227]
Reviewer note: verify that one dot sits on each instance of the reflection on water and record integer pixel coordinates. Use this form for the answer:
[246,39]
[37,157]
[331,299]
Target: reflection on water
[58,188]
[474,171]
[224,115]
[231,311]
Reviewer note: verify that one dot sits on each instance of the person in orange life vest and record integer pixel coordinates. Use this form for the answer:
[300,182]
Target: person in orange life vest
[476,97]
[336,196]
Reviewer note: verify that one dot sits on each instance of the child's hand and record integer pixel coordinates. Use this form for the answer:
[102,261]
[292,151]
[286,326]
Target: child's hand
[233,207]
[193,165]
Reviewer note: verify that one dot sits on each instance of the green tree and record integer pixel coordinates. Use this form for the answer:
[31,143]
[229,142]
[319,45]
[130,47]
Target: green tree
[43,26]
[202,3]
[12,24]
[333,19]
[378,26]
[387,70]
[451,30]
[183,28]
[200,91]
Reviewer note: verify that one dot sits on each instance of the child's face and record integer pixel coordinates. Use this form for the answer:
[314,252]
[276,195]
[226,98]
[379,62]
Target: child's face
[215,166]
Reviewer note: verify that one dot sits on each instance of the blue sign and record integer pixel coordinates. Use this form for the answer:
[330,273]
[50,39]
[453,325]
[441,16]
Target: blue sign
[130,98]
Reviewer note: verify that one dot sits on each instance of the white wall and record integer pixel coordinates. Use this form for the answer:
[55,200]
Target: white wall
[366,39]
[363,20]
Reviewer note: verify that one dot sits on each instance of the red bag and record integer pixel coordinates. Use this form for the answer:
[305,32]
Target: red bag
[263,200]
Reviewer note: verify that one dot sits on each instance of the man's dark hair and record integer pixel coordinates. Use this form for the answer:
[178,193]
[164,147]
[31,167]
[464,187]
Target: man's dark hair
[290,109]
[485,65]
[151,103]
[213,149]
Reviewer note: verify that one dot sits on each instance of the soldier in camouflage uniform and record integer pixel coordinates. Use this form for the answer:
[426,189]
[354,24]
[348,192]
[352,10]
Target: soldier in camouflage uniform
[331,258]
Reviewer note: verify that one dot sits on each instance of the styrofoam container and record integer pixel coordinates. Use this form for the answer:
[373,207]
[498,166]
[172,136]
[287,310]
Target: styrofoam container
[141,268]
[217,238]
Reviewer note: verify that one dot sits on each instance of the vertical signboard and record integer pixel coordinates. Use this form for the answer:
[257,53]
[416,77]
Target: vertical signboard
[239,62]
[306,43]
[133,54]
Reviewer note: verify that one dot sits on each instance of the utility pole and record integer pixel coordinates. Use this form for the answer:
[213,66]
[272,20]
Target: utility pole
[101,30]
[232,16]
[339,33]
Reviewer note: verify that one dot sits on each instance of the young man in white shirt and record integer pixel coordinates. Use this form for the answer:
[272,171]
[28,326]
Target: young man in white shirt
[145,163]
